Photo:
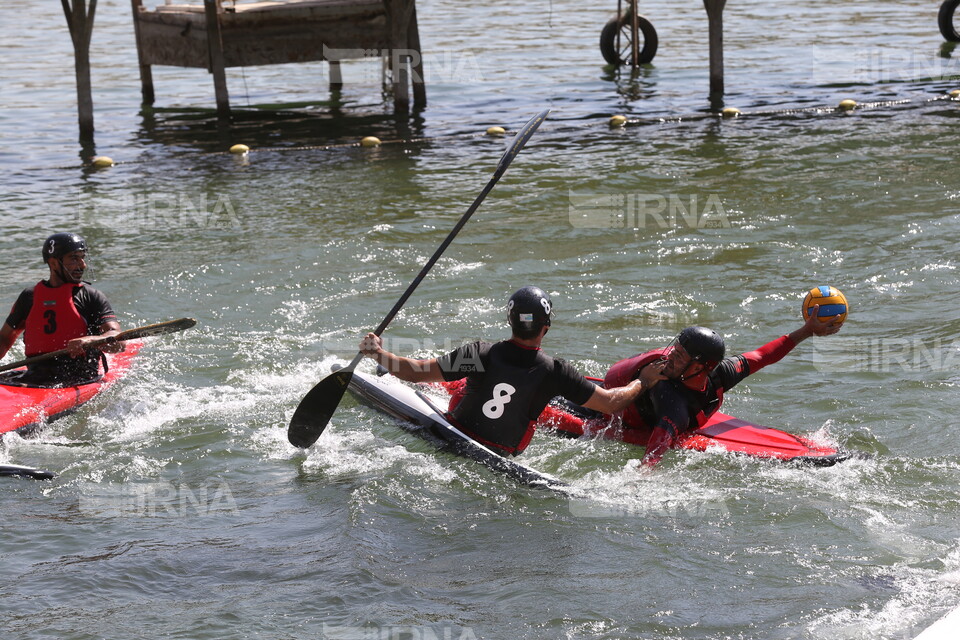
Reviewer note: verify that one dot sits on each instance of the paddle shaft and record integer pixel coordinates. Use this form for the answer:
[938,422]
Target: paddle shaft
[515,146]
[160,328]
[316,408]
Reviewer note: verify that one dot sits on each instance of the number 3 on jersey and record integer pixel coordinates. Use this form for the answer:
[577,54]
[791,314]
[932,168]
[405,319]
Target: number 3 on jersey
[502,393]
[51,317]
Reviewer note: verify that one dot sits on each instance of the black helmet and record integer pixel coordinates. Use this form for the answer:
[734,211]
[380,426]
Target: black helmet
[60,244]
[529,311]
[704,345]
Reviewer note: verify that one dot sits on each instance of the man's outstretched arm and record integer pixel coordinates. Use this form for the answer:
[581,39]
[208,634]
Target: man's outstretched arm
[409,369]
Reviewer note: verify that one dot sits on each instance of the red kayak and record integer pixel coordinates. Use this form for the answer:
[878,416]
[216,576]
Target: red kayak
[721,432]
[25,409]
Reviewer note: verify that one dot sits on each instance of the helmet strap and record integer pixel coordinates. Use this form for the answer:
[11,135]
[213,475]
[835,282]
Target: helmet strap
[670,347]
[698,382]
[62,273]
[683,374]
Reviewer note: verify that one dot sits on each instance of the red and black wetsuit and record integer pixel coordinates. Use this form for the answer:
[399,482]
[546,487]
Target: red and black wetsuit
[672,408]
[52,316]
[507,387]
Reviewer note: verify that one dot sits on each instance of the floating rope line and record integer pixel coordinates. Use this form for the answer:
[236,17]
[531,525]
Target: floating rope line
[732,112]
[101,162]
[616,121]
[376,142]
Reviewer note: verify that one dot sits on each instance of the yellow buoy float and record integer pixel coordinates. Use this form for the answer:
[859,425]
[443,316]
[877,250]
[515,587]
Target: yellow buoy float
[370,141]
[955,94]
[848,104]
[496,131]
[102,161]
[618,121]
[730,112]
[239,149]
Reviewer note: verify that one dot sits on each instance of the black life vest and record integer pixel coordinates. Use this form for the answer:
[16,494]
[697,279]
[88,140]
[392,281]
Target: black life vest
[497,408]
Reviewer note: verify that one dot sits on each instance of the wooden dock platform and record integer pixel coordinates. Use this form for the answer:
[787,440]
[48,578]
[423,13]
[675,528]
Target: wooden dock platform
[220,34]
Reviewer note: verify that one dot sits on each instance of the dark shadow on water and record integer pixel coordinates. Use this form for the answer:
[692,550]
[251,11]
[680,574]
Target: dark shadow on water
[632,84]
[275,125]
[88,150]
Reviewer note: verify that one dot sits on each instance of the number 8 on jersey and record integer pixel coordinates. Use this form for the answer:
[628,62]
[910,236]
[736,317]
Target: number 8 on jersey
[502,394]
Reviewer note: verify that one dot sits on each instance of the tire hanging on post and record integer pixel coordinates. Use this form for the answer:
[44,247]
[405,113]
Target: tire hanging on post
[619,55]
[945,20]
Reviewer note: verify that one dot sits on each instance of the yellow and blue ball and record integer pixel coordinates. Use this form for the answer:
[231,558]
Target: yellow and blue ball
[833,304]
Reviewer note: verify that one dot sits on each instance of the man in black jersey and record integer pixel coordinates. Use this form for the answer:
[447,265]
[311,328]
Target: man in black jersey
[62,312]
[509,382]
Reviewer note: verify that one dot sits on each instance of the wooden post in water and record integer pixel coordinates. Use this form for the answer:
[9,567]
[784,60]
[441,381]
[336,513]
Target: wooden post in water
[146,73]
[715,17]
[336,76]
[218,67]
[398,16]
[80,24]
[419,82]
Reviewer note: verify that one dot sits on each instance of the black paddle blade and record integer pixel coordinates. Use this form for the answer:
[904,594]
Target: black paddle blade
[159,329]
[520,140]
[25,472]
[317,407]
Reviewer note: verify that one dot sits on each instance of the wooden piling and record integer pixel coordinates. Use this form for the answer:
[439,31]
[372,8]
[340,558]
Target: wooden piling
[336,76]
[715,18]
[398,16]
[146,73]
[217,65]
[413,39]
[80,24]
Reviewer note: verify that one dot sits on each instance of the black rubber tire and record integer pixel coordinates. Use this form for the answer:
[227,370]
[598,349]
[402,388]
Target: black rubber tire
[608,40]
[945,20]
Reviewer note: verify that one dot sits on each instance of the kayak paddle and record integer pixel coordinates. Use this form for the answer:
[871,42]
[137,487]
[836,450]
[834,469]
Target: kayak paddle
[17,470]
[316,408]
[161,328]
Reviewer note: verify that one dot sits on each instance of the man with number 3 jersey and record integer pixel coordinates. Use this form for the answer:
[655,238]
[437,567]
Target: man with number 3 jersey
[62,312]
[508,383]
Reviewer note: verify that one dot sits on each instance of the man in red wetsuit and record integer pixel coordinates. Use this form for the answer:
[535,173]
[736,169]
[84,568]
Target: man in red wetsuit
[62,312]
[687,380]
[508,383]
